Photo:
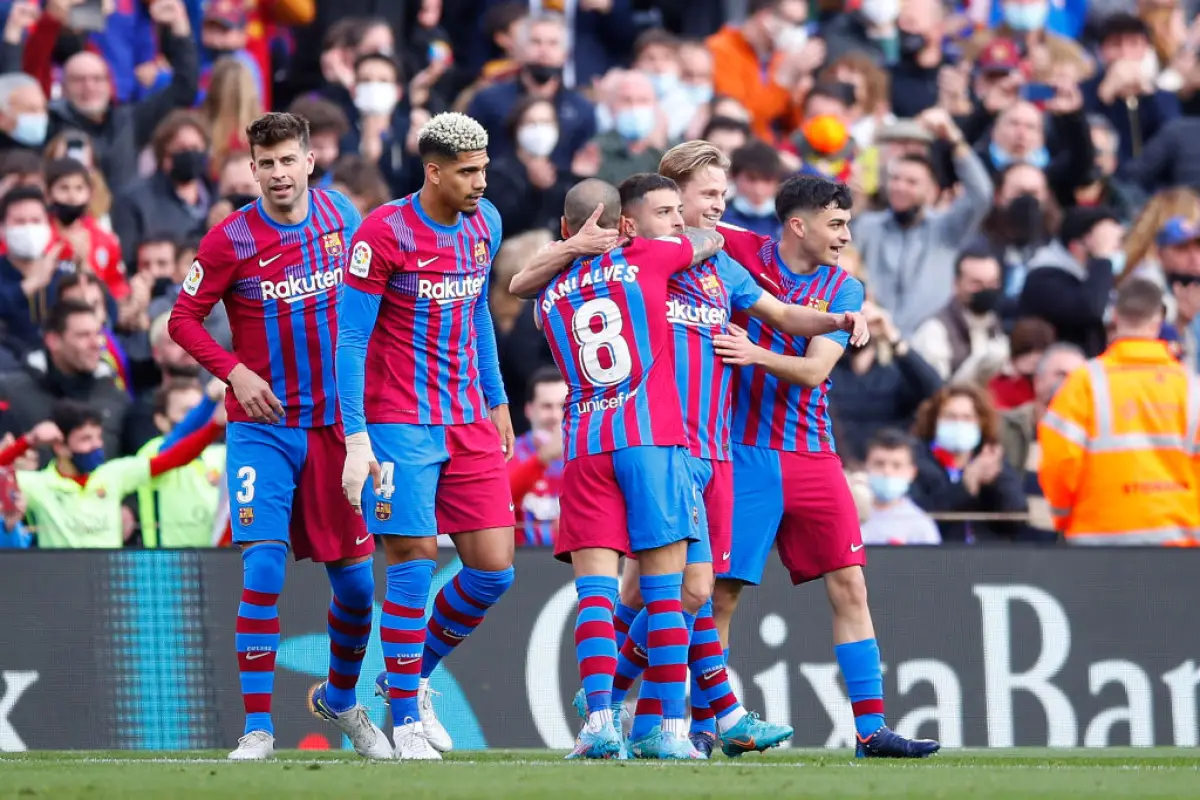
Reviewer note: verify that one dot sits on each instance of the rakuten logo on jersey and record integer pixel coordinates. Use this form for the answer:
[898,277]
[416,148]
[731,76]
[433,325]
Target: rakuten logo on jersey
[294,289]
[700,316]
[450,290]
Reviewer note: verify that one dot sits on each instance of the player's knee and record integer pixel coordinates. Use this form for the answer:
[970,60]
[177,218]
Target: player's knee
[697,590]
[400,549]
[263,566]
[353,585]
[487,586]
[631,593]
[725,596]
[847,589]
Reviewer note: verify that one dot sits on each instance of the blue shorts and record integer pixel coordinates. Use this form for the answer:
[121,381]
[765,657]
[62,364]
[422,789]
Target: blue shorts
[802,502]
[629,500]
[700,550]
[285,485]
[443,479]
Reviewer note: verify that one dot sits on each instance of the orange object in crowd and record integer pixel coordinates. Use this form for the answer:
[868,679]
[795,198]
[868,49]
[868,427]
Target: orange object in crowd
[826,134]
[741,76]
[1120,450]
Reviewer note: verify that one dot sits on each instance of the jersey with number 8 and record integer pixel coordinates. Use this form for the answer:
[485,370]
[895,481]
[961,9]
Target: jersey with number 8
[605,319]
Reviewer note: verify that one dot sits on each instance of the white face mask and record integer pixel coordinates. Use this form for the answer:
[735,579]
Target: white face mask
[27,241]
[880,12]
[376,97]
[791,38]
[538,138]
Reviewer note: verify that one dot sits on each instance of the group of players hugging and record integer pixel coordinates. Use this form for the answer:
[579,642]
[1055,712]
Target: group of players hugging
[696,434]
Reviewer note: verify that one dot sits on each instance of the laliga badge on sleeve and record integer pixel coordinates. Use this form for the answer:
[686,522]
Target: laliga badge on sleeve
[360,260]
[191,284]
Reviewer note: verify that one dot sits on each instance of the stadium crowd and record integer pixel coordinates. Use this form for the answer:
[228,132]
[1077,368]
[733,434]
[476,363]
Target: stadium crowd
[1012,165]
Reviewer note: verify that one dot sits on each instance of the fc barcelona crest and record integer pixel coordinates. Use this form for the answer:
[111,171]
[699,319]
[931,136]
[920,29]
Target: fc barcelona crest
[383,510]
[711,285]
[246,515]
[817,303]
[332,243]
[481,254]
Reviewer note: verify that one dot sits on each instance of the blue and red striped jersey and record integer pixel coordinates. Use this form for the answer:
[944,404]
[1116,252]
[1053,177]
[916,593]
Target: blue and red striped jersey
[417,305]
[699,303]
[604,320]
[768,412]
[538,506]
[280,285]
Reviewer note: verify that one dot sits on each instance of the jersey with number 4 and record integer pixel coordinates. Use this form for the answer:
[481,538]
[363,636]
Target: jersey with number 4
[604,320]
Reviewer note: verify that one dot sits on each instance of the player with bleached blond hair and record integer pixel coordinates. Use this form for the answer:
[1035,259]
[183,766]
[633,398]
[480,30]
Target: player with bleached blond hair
[432,418]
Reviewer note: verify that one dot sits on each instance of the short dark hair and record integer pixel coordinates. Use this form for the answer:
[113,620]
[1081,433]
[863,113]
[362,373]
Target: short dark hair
[892,439]
[61,168]
[808,193]
[652,37]
[71,415]
[162,395]
[324,116]
[346,32]
[21,194]
[276,127]
[1079,221]
[20,162]
[178,120]
[1121,24]
[542,375]
[1138,300]
[640,184]
[502,17]
[1030,335]
[834,90]
[80,277]
[725,124]
[974,252]
[61,313]
[156,239]
[757,158]
[918,158]
[755,6]
[386,59]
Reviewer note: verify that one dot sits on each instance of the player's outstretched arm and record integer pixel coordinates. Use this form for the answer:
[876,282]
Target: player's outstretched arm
[809,370]
[809,322]
[591,240]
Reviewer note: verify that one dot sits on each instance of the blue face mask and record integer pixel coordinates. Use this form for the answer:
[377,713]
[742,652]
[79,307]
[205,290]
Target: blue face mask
[664,83]
[1039,158]
[635,124]
[1026,16]
[957,436]
[604,118]
[699,94]
[1117,260]
[887,488]
[764,209]
[31,129]
[87,462]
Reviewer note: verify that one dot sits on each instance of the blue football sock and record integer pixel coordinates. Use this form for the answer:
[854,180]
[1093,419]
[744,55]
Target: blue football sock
[257,634]
[623,618]
[349,630]
[631,658]
[664,684]
[402,634]
[458,610]
[595,643]
[859,662]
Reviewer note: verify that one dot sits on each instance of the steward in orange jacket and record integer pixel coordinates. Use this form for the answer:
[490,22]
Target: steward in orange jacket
[1120,452]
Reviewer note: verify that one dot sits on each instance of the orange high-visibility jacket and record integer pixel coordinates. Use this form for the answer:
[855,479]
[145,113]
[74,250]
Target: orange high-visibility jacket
[1120,455]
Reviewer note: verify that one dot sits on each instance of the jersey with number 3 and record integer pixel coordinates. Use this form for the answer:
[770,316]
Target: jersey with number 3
[604,320]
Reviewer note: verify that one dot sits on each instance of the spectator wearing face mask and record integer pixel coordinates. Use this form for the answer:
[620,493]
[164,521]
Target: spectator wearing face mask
[176,198]
[23,117]
[29,270]
[1178,244]
[638,138]
[961,468]
[870,30]
[1070,280]
[77,146]
[1042,50]
[756,170]
[658,54]
[891,469]
[966,333]
[1024,218]
[527,189]
[911,247]
[542,50]
[919,40]
[1124,90]
[84,242]
[119,132]
[383,126]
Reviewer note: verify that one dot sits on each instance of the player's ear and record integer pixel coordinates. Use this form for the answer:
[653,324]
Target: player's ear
[626,227]
[797,226]
[433,173]
[311,160]
[563,229]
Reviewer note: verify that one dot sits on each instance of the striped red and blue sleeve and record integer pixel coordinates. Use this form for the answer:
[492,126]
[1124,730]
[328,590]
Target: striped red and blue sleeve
[373,257]
[485,333]
[743,290]
[848,297]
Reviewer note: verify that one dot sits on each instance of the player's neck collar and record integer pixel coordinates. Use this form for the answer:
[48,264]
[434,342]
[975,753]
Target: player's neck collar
[283,226]
[430,221]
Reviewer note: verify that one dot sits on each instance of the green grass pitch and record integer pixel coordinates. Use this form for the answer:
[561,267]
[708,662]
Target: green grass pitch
[530,774]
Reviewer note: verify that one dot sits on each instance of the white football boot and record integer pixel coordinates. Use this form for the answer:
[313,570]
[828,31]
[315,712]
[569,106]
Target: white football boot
[254,746]
[434,732]
[411,744]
